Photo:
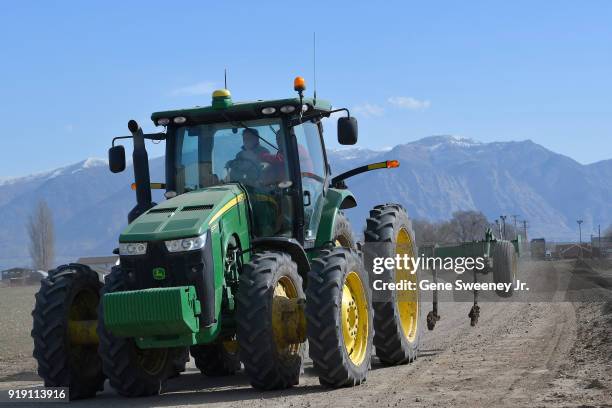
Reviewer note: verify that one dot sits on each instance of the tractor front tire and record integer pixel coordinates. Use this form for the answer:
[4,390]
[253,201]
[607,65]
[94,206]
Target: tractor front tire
[339,318]
[397,316]
[131,371]
[504,266]
[215,360]
[270,361]
[69,293]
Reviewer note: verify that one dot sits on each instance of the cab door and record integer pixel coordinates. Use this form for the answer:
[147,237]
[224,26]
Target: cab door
[313,174]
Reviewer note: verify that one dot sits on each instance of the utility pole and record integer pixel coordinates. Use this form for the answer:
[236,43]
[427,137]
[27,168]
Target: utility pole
[580,235]
[525,229]
[514,217]
[503,218]
[599,239]
[498,226]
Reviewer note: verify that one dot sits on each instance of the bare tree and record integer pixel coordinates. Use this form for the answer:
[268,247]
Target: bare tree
[464,226]
[424,232]
[468,226]
[41,234]
[608,232]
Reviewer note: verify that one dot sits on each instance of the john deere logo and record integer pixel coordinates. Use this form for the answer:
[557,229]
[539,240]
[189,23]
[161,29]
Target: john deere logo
[159,273]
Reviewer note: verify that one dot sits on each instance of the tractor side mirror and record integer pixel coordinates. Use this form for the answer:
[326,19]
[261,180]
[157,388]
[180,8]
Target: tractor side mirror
[347,131]
[116,159]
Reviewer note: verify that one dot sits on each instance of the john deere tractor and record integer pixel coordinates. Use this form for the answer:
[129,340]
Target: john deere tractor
[249,259]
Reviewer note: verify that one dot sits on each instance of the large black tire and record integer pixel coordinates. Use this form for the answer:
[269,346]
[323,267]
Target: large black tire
[215,360]
[336,365]
[343,233]
[70,292]
[180,363]
[396,324]
[505,265]
[127,366]
[267,364]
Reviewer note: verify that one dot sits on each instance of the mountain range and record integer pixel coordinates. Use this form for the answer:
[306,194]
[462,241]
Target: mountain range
[437,176]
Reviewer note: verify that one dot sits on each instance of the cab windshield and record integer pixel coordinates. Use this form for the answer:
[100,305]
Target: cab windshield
[251,153]
[218,153]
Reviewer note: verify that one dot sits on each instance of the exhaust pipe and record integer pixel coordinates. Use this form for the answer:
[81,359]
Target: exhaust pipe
[141,173]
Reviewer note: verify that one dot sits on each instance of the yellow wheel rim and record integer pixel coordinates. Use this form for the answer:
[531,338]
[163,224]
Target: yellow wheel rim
[230,346]
[283,292]
[152,361]
[407,301]
[354,315]
[341,241]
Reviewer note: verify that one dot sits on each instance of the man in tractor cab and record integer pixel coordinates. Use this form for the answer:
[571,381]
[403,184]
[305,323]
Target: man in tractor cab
[276,172]
[251,148]
[247,165]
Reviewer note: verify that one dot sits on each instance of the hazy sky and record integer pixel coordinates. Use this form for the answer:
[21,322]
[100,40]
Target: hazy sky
[74,73]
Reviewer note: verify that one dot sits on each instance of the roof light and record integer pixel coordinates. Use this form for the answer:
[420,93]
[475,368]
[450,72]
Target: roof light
[287,108]
[163,121]
[269,110]
[299,84]
[179,120]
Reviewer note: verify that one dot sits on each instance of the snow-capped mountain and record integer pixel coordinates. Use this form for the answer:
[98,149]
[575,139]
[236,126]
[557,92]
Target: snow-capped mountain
[442,174]
[437,175]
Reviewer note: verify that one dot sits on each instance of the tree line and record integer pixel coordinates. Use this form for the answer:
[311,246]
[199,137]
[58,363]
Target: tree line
[464,226]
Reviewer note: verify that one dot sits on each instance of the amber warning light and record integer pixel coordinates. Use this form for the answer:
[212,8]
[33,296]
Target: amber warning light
[391,164]
[299,84]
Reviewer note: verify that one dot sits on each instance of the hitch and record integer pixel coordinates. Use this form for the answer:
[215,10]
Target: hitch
[433,316]
[475,310]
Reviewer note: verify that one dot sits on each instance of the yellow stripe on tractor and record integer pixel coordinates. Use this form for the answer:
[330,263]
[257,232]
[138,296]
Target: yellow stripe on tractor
[234,201]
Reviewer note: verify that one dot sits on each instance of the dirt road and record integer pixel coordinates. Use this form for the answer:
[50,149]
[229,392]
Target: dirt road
[552,354]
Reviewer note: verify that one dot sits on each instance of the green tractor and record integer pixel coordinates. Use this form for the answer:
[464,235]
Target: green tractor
[249,260]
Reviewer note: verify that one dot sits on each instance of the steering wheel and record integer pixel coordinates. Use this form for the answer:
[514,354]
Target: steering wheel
[244,171]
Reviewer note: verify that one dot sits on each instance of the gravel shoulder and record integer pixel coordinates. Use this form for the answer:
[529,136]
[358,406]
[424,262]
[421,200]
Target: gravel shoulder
[551,354]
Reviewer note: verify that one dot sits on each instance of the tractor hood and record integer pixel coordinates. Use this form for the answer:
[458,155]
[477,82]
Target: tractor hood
[187,215]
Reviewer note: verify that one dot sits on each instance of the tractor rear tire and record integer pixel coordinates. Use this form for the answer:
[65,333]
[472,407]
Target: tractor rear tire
[397,317]
[131,371]
[343,233]
[504,266]
[214,360]
[70,292]
[339,318]
[269,361]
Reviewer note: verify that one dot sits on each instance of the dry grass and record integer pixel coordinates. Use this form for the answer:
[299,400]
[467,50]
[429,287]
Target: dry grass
[16,304]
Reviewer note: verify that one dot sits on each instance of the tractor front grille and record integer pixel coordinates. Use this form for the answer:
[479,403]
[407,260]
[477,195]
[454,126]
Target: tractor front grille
[191,268]
[179,267]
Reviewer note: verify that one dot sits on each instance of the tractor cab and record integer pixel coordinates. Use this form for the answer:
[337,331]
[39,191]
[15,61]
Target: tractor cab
[273,150]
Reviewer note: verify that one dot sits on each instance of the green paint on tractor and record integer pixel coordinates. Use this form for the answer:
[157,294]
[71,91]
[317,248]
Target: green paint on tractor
[162,313]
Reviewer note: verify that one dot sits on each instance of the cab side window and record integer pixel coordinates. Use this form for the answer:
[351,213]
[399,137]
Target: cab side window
[313,174]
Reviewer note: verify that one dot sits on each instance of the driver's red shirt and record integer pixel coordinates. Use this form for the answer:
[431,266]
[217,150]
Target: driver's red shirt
[278,159]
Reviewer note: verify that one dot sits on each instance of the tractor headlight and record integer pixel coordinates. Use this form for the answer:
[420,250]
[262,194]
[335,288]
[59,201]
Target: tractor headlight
[132,248]
[186,244]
